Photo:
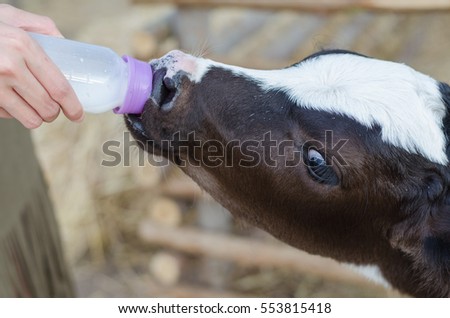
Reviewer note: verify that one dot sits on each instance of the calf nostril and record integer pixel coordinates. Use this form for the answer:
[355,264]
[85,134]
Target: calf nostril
[170,86]
[164,89]
[169,83]
[159,91]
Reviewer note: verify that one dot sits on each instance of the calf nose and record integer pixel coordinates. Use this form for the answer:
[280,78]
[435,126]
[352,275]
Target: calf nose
[167,76]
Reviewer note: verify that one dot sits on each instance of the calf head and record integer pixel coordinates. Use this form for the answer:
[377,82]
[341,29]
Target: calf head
[340,155]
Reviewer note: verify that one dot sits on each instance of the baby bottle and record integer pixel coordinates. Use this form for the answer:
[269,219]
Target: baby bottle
[101,79]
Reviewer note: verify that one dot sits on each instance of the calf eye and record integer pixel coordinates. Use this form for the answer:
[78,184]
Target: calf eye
[318,168]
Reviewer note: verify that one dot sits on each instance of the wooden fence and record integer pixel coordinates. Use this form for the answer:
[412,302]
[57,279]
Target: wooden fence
[319,5]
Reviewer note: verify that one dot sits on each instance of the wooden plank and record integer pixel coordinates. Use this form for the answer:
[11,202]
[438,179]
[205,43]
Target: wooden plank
[319,5]
[246,252]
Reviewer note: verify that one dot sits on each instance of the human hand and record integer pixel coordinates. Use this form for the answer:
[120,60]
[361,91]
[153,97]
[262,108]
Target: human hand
[32,89]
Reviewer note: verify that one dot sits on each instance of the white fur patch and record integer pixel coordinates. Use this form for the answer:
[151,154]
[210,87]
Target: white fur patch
[406,104]
[176,61]
[371,272]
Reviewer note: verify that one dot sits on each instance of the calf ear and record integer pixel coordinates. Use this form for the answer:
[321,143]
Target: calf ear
[424,233]
[444,88]
[436,213]
[436,243]
[445,96]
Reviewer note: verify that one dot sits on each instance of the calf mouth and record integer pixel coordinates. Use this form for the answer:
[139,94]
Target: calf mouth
[162,99]
[136,127]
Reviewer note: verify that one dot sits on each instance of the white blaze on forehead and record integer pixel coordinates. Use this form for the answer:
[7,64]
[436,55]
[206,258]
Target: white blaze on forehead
[176,61]
[406,104]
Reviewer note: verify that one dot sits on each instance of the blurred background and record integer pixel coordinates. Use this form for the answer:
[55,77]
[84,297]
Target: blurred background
[146,231]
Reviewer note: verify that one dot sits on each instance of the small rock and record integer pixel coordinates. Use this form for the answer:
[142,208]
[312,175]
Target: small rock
[166,212]
[165,268]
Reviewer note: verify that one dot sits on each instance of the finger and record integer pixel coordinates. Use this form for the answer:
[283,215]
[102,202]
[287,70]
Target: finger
[28,21]
[4,114]
[28,87]
[56,85]
[20,110]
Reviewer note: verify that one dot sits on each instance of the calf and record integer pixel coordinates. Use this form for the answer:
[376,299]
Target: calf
[340,155]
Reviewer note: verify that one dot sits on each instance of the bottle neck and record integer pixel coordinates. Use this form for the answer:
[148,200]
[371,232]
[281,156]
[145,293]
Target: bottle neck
[140,80]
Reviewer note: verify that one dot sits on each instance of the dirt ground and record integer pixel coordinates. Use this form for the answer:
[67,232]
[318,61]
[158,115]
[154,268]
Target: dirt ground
[100,209]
